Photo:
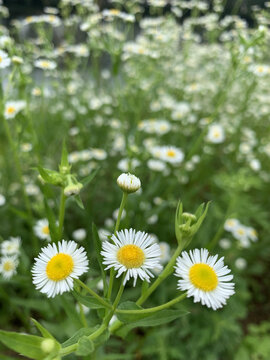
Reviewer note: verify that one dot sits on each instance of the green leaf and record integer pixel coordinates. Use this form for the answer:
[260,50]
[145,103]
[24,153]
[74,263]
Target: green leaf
[26,345]
[127,318]
[88,301]
[78,201]
[202,213]
[85,346]
[89,178]
[98,247]
[42,329]
[79,334]
[156,319]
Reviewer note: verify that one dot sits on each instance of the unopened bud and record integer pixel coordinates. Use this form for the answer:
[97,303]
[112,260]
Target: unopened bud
[129,183]
[189,217]
[47,345]
[73,189]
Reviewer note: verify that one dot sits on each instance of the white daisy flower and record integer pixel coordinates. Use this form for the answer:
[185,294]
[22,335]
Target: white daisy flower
[2,200]
[240,233]
[79,234]
[215,134]
[231,224]
[8,265]
[45,64]
[204,277]
[57,266]
[252,234]
[4,60]
[11,247]
[170,154]
[41,229]
[13,107]
[132,253]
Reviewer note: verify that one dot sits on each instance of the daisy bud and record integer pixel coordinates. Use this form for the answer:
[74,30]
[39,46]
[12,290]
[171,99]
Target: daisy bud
[189,217]
[73,189]
[128,183]
[47,345]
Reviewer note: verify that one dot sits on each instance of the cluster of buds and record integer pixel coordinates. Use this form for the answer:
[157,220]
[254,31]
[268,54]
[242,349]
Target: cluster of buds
[63,178]
[187,224]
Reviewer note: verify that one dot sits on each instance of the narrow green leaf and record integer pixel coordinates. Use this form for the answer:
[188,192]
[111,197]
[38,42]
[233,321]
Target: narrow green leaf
[42,329]
[79,202]
[85,346]
[78,334]
[98,247]
[44,173]
[156,319]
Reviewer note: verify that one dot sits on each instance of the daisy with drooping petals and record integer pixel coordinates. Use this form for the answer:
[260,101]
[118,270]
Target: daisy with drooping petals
[133,253]
[204,277]
[57,266]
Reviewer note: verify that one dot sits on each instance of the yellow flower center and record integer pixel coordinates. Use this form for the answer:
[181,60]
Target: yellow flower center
[44,64]
[8,265]
[216,134]
[171,153]
[203,277]
[59,267]
[114,12]
[11,109]
[46,230]
[1,59]
[131,256]
[241,232]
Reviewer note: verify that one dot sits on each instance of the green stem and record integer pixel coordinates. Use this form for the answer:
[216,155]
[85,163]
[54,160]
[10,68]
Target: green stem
[95,295]
[61,214]
[112,272]
[82,316]
[122,205]
[154,309]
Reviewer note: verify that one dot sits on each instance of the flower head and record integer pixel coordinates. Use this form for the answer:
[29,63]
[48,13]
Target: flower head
[132,253]
[8,265]
[11,247]
[41,229]
[129,183]
[45,64]
[4,60]
[13,107]
[215,134]
[57,266]
[204,277]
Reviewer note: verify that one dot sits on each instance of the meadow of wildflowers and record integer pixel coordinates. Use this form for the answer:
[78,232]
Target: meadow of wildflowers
[134,182]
